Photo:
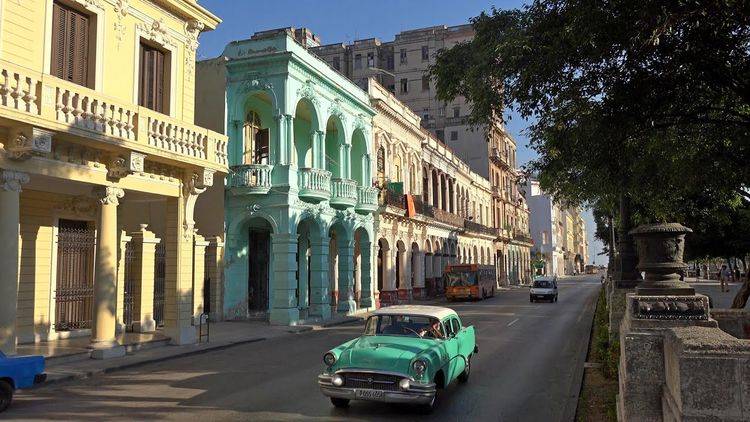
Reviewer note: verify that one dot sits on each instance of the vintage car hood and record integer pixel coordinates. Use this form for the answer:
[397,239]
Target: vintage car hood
[385,353]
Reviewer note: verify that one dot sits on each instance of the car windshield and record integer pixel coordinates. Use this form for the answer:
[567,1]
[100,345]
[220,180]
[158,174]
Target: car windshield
[543,284]
[458,279]
[404,325]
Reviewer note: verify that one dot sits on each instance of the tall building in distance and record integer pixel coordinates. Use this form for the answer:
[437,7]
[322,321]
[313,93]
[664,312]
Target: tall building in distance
[559,234]
[400,66]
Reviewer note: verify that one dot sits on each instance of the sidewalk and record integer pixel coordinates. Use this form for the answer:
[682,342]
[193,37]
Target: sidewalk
[69,359]
[712,289]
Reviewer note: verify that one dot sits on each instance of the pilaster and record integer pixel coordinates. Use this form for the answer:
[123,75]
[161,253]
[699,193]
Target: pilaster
[144,250]
[366,275]
[319,293]
[346,275]
[284,309]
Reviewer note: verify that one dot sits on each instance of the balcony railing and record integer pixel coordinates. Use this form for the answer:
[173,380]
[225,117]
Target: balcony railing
[367,199]
[445,216]
[394,199]
[251,178]
[57,104]
[499,157]
[479,228]
[343,192]
[314,184]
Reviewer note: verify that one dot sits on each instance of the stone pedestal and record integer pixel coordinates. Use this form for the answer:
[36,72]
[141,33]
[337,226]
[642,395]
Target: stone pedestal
[641,367]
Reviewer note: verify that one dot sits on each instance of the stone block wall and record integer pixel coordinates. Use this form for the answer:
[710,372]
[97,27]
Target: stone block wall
[707,375]
[733,321]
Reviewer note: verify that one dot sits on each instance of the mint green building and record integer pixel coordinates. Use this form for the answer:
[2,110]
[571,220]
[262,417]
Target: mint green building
[299,200]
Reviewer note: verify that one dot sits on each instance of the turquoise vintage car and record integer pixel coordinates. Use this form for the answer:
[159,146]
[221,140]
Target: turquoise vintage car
[406,354]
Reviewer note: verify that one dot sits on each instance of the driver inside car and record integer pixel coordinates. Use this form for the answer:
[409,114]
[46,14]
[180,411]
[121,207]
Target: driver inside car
[433,329]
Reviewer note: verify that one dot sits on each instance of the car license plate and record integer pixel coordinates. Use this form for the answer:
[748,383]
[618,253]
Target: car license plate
[368,394]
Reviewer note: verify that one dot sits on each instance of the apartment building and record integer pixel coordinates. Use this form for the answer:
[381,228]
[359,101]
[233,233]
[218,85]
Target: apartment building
[101,167]
[400,66]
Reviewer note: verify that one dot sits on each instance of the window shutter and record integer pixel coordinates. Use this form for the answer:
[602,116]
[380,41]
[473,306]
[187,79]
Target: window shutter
[70,44]
[152,79]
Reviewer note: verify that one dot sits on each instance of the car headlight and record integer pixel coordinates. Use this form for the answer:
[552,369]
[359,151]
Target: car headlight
[404,384]
[337,380]
[329,359]
[419,366]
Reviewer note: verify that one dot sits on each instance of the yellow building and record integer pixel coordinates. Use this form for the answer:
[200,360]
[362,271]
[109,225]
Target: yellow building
[101,167]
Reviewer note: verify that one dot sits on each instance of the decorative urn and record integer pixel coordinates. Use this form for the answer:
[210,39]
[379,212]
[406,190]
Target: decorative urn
[660,251]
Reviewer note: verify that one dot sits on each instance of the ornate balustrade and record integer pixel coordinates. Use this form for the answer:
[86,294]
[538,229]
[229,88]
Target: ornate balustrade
[52,103]
[314,184]
[394,199]
[343,192]
[367,199]
[250,178]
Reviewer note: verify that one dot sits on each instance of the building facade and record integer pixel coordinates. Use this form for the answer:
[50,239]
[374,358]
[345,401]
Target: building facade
[299,200]
[400,66]
[559,234]
[434,210]
[100,170]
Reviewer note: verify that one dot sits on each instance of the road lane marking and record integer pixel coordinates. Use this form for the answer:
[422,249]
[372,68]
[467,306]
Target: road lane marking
[512,322]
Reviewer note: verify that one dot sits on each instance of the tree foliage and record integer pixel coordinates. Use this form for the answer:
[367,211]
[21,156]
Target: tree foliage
[650,99]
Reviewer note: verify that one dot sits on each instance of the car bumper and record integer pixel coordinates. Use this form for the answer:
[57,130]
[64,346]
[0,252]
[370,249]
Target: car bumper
[539,296]
[418,393]
[40,378]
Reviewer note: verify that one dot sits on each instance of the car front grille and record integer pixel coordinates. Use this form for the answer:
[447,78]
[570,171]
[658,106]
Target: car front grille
[366,380]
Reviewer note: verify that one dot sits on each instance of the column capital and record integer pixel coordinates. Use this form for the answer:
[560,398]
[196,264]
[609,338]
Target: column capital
[11,180]
[108,195]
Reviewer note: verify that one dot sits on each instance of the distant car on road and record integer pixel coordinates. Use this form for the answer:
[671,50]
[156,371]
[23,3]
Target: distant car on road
[592,269]
[18,372]
[544,288]
[406,355]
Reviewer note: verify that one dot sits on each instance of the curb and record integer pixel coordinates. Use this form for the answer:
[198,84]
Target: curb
[126,365]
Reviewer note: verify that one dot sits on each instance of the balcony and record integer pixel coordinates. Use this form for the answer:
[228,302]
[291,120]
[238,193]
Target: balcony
[499,157]
[314,184]
[444,216]
[250,179]
[524,237]
[51,103]
[343,193]
[394,199]
[479,228]
[367,199]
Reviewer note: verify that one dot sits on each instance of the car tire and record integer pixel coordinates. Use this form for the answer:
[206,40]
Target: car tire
[531,300]
[339,402]
[6,395]
[555,298]
[463,377]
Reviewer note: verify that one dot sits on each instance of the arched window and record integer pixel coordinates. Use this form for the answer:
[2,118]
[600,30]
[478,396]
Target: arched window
[381,164]
[256,141]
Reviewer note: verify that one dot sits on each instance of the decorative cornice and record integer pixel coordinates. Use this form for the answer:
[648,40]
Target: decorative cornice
[108,195]
[11,181]
[157,32]
[25,142]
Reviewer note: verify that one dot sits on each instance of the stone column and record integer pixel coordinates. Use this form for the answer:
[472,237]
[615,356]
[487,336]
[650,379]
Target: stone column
[347,171]
[319,149]
[284,309]
[216,274]
[366,274]
[10,218]
[178,283]
[346,303]
[288,139]
[103,340]
[144,250]
[319,295]
[121,263]
[199,275]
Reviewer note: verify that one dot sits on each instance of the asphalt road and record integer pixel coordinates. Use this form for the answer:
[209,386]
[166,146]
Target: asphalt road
[528,369]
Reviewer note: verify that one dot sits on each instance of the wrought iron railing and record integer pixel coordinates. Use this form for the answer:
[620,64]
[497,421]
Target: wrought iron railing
[74,290]
[392,198]
[160,272]
[250,176]
[479,228]
[129,287]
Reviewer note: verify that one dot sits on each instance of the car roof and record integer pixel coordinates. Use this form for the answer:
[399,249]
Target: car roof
[545,278]
[438,312]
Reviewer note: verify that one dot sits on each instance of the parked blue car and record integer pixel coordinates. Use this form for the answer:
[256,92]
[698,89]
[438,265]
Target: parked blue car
[19,372]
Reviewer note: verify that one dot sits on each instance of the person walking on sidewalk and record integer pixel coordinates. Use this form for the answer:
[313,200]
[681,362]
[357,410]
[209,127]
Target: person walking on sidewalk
[724,276]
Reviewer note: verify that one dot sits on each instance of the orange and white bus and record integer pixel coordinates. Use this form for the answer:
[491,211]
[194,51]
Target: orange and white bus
[469,281]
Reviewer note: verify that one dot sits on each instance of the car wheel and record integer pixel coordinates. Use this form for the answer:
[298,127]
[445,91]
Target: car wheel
[464,376]
[531,300]
[340,403]
[555,298]
[6,395]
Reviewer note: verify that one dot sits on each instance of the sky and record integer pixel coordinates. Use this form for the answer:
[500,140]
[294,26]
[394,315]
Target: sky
[349,20]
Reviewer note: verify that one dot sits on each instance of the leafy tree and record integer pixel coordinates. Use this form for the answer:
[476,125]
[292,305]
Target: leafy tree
[647,104]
